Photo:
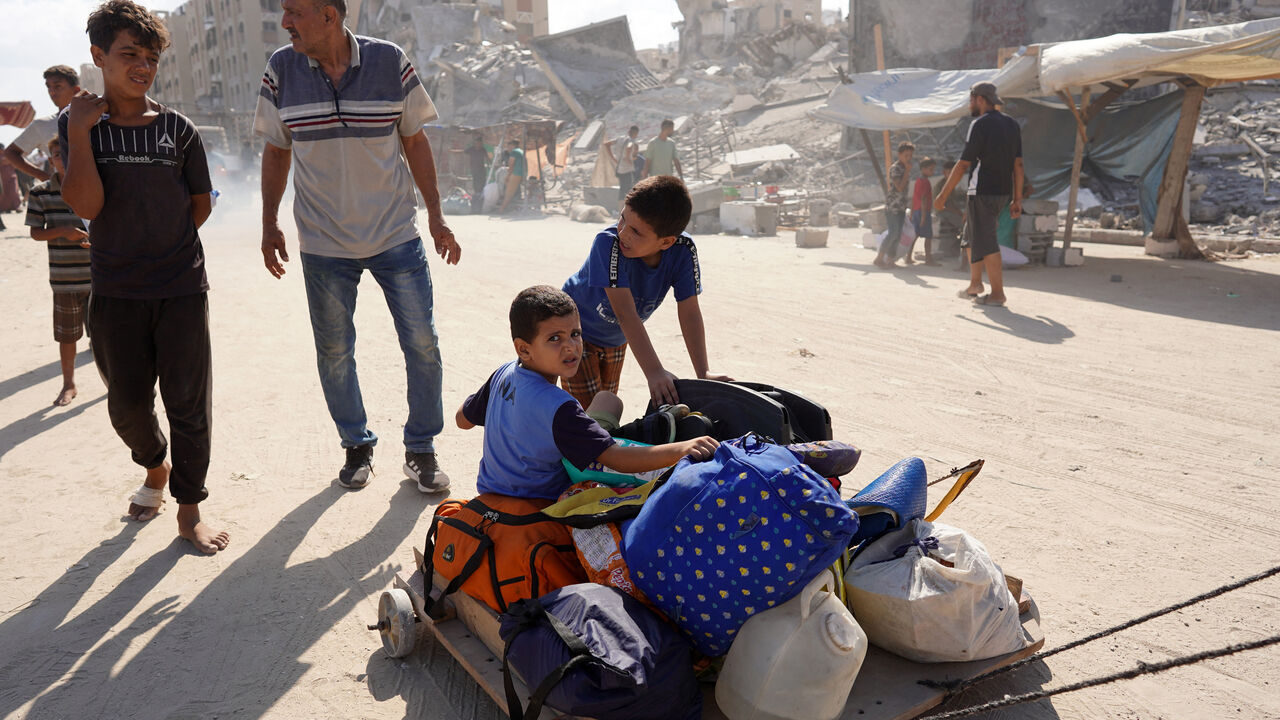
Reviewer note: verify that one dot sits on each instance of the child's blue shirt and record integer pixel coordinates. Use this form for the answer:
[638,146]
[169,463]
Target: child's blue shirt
[606,267]
[530,424]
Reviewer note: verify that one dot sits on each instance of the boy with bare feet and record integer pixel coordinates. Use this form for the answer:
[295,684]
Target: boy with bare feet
[137,171]
[53,223]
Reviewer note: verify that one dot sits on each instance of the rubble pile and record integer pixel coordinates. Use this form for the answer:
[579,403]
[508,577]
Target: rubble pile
[741,109]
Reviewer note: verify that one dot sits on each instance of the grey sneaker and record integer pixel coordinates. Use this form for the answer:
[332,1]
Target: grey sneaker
[355,472]
[423,468]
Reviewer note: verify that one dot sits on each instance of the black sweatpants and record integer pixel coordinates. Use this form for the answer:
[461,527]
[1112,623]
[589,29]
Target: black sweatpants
[136,343]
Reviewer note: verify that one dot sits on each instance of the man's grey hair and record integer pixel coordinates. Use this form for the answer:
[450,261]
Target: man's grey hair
[339,5]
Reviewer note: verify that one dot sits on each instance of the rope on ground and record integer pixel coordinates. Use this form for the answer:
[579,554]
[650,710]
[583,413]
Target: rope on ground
[954,686]
[1141,669]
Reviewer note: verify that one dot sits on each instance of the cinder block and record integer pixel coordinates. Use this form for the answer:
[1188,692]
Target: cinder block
[1053,257]
[1073,257]
[1040,207]
[749,218]
[1030,224]
[811,237]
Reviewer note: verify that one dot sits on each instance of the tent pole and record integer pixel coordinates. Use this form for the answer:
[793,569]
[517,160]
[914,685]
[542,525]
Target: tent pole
[880,66]
[1077,161]
[1169,198]
[875,162]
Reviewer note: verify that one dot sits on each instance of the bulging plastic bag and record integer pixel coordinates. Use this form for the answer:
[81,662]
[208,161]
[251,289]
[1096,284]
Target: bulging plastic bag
[931,593]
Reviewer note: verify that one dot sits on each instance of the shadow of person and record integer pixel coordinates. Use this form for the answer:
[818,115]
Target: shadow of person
[420,679]
[45,372]
[1039,329]
[40,421]
[211,658]
[42,645]
[909,275]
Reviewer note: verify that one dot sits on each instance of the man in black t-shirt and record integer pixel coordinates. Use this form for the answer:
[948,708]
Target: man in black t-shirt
[995,144]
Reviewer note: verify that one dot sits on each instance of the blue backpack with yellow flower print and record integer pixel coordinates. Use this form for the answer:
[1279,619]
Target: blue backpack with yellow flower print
[732,536]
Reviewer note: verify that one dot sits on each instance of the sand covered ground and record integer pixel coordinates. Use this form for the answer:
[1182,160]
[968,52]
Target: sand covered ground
[1127,411]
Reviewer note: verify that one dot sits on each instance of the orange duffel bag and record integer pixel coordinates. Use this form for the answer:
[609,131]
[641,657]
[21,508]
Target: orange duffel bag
[499,549]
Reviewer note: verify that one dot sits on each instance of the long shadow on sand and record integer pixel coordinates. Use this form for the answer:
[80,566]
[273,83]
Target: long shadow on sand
[1214,292]
[42,420]
[210,659]
[906,275]
[41,646]
[1039,329]
[48,371]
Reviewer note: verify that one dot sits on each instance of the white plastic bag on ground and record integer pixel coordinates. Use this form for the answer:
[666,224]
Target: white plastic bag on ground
[1012,258]
[912,603]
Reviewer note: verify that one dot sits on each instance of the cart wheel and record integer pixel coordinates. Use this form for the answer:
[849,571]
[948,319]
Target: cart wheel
[397,624]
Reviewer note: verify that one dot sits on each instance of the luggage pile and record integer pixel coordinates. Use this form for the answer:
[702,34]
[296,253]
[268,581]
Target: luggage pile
[748,569]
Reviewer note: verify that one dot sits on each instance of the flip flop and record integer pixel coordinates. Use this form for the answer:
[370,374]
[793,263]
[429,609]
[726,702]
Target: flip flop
[986,300]
[966,295]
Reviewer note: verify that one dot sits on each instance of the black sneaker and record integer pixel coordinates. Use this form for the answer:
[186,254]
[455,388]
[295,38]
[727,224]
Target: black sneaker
[355,472]
[423,468]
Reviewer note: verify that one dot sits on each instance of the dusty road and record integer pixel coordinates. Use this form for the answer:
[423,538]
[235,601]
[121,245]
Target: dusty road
[1129,428]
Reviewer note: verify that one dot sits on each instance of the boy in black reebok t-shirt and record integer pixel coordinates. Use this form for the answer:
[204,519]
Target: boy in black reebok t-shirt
[137,171]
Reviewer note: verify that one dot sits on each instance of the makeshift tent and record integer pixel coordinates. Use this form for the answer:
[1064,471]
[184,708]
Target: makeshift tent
[1129,141]
[1196,59]
[916,98]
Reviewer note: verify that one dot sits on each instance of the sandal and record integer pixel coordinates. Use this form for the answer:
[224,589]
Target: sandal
[986,300]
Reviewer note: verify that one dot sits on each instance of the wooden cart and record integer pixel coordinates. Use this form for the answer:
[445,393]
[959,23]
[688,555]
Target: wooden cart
[887,687]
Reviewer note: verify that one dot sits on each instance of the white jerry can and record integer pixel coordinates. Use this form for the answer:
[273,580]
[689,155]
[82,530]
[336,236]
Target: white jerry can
[797,661]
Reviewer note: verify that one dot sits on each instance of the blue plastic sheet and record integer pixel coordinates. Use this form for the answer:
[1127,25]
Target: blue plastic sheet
[1127,142]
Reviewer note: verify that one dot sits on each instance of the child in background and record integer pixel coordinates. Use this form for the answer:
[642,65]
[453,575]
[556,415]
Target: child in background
[922,212]
[53,223]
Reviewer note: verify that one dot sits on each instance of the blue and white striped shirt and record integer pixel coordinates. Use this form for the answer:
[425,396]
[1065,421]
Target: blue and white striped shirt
[354,195]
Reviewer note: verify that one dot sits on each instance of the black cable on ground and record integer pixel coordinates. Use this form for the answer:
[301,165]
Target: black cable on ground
[1141,669]
[954,686]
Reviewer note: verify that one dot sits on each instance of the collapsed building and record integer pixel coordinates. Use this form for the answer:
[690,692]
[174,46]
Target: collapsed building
[747,76]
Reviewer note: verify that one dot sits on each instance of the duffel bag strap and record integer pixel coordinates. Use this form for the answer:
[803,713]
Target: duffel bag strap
[530,612]
[433,605]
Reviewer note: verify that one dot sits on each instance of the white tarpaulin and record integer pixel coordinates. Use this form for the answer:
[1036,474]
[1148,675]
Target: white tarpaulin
[1212,55]
[900,99]
[904,99]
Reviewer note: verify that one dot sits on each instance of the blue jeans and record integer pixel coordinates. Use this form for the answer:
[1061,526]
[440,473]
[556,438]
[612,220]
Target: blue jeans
[331,298]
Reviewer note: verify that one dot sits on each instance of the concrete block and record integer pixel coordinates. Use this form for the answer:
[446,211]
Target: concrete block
[820,212]
[749,218]
[1030,224]
[1160,248]
[1053,257]
[1040,207]
[1073,257]
[811,237]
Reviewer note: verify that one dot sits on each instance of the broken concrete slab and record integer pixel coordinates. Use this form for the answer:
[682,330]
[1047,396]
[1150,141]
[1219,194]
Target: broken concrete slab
[744,159]
[749,218]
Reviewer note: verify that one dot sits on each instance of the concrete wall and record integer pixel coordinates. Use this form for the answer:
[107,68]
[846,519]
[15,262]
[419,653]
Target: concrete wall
[963,34]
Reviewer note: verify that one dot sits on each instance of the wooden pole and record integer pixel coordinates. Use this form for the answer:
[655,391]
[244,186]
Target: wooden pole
[1175,175]
[1077,161]
[875,162]
[888,156]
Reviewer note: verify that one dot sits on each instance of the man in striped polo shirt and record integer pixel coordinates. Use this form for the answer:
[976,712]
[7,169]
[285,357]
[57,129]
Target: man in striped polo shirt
[54,223]
[349,110]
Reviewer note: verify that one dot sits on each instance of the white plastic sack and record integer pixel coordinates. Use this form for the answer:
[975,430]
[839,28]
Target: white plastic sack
[923,610]
[908,233]
[1011,258]
[492,195]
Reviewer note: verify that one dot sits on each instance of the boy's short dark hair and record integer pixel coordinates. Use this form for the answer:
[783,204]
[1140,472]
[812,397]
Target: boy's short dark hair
[633,128]
[663,202]
[116,16]
[905,146]
[928,162]
[535,304]
[669,123]
[63,72]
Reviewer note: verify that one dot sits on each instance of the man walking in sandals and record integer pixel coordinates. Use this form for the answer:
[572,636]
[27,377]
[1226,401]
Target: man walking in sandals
[995,144]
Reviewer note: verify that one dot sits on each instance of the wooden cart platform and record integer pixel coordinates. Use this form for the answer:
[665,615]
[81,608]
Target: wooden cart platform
[887,688]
